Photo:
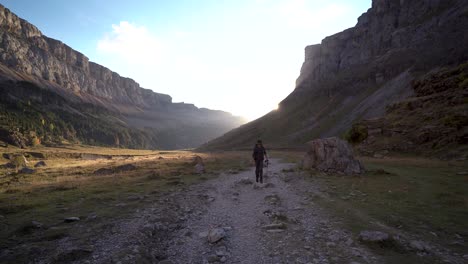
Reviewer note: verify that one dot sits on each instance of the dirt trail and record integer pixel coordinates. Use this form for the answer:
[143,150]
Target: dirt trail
[174,229]
[303,234]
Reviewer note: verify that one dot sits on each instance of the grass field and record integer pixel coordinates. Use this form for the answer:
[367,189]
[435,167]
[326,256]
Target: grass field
[425,199]
[85,181]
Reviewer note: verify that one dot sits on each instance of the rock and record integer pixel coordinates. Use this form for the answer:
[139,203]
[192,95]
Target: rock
[40,164]
[331,244]
[275,230]
[26,170]
[203,234]
[374,236]
[103,171]
[257,186]
[72,219]
[216,234]
[197,160]
[126,167]
[419,246]
[378,156]
[331,155]
[37,224]
[269,185]
[462,173]
[212,258]
[166,261]
[199,168]
[275,226]
[134,197]
[245,181]
[9,165]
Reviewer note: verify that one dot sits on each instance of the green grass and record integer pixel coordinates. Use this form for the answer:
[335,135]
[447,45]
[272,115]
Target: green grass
[424,198]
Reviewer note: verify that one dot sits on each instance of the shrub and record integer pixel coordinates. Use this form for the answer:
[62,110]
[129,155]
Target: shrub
[356,134]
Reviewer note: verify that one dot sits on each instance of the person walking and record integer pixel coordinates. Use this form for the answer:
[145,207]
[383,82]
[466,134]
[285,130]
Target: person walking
[259,154]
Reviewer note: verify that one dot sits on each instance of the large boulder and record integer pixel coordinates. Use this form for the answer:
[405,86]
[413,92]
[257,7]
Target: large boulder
[331,155]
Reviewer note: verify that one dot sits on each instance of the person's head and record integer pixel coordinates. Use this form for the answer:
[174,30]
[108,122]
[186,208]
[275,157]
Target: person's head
[259,143]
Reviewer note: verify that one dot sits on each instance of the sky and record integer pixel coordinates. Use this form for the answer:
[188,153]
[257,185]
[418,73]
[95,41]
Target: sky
[240,56]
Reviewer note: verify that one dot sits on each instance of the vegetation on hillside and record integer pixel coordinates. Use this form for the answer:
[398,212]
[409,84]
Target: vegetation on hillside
[432,122]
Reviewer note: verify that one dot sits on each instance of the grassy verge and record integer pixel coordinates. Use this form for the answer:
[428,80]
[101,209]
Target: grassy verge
[86,188]
[426,199]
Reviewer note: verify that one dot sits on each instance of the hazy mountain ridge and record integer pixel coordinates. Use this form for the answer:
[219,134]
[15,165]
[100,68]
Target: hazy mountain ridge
[30,60]
[355,74]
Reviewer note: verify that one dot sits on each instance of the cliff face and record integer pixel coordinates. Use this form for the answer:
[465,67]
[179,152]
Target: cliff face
[90,104]
[355,74]
[25,49]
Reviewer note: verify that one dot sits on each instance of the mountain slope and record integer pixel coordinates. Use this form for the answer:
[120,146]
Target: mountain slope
[90,104]
[356,74]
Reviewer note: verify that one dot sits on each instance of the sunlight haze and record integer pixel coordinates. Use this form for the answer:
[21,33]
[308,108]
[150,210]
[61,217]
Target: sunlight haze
[241,57]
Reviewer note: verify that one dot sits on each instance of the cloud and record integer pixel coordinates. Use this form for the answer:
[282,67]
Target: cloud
[133,43]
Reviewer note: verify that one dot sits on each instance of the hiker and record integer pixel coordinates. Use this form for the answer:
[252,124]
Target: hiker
[259,154]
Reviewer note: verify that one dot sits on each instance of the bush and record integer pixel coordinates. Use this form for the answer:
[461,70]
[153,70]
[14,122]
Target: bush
[357,134]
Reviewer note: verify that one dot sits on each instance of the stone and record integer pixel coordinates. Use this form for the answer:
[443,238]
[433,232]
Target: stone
[331,155]
[275,230]
[37,224]
[257,186]
[374,236]
[40,164]
[71,219]
[9,165]
[199,168]
[275,226]
[216,234]
[203,234]
[212,258]
[245,181]
[378,156]
[26,170]
[418,245]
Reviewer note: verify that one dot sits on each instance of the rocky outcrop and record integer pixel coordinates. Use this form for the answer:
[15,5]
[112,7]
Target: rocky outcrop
[331,155]
[356,74]
[434,121]
[26,50]
[411,28]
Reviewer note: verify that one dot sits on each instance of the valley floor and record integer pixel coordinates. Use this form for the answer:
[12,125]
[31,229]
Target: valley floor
[294,217]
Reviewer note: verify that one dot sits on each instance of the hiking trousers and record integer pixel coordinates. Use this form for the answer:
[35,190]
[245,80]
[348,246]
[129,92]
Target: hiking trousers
[259,170]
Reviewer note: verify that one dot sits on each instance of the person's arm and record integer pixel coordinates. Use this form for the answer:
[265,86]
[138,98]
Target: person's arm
[253,154]
[264,152]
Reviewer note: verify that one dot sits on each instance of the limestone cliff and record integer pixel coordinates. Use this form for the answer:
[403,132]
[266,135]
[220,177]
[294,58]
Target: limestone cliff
[55,93]
[25,49]
[355,74]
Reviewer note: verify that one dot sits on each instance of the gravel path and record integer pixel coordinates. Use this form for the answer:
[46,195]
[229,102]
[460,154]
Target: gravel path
[274,222]
[270,223]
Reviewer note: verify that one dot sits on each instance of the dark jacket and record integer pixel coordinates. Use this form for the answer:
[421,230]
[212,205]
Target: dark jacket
[259,153]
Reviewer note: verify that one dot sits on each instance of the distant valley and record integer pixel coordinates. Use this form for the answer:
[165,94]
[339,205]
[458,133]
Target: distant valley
[52,94]
[396,50]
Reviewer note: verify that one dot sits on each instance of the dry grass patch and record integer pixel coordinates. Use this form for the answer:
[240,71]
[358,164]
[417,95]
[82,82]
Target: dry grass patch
[71,185]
